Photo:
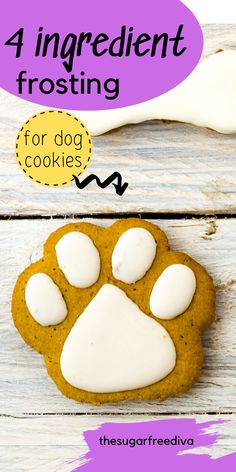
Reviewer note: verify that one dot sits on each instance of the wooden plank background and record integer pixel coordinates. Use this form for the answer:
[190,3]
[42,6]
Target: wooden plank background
[169,167]
[184,178]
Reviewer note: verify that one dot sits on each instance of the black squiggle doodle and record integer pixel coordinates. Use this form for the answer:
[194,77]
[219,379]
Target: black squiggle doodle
[119,186]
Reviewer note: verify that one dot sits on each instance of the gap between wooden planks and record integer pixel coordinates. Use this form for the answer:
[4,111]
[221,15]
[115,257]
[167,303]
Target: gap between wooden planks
[208,240]
[40,428]
[170,167]
[45,444]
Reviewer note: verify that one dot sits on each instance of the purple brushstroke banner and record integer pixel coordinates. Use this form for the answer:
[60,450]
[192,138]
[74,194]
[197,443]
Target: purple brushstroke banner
[96,55]
[165,441]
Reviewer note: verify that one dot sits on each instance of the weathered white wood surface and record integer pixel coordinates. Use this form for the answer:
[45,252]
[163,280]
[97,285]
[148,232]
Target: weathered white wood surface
[25,387]
[48,443]
[41,429]
[169,167]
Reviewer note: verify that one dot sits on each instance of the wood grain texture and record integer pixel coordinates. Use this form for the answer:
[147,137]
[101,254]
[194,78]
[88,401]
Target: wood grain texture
[26,388]
[48,443]
[170,167]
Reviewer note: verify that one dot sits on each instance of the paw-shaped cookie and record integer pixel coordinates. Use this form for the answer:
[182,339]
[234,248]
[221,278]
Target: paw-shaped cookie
[115,313]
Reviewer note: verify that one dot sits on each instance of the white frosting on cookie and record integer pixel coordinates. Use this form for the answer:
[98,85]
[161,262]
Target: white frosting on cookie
[79,259]
[173,292]
[44,300]
[133,255]
[207,97]
[113,346]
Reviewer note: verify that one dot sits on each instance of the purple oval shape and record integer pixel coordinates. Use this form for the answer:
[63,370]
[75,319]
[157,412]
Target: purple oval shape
[133,79]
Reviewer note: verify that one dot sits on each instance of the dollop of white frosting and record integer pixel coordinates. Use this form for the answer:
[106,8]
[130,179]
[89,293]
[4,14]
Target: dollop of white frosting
[207,97]
[173,292]
[79,259]
[44,300]
[133,255]
[113,346]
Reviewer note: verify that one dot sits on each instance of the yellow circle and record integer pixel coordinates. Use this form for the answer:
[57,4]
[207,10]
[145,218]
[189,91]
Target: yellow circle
[52,147]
